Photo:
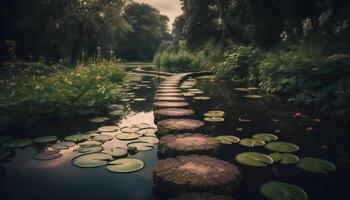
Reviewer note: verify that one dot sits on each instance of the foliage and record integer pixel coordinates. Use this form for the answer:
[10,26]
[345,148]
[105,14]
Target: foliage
[67,92]
[181,61]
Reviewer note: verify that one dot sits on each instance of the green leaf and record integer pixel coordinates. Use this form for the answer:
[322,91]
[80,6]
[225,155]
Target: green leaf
[282,191]
[316,165]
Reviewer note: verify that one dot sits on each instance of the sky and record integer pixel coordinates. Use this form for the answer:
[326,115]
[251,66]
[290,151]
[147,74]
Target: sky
[170,8]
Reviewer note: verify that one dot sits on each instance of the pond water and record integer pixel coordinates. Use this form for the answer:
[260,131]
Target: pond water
[22,177]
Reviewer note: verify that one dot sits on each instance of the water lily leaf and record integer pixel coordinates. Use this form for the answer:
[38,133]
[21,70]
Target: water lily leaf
[99,119]
[227,139]
[316,165]
[125,165]
[214,113]
[20,143]
[5,153]
[115,106]
[91,149]
[108,128]
[48,155]
[141,146]
[282,191]
[284,147]
[103,138]
[116,152]
[200,98]
[92,160]
[248,142]
[147,132]
[140,99]
[254,159]
[116,113]
[45,139]
[149,139]
[127,136]
[242,89]
[284,158]
[77,138]
[59,146]
[90,143]
[253,96]
[214,119]
[267,137]
[129,129]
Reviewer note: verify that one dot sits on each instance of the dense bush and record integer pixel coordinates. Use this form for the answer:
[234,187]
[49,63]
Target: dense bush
[181,61]
[83,90]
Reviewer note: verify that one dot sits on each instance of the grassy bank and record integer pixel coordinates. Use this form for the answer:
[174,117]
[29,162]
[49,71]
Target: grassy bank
[35,91]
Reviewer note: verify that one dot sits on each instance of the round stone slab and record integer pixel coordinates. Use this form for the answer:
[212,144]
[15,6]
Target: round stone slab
[172,113]
[170,104]
[178,126]
[188,143]
[201,196]
[169,98]
[194,173]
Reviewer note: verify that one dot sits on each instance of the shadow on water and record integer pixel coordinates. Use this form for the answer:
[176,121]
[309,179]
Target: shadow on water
[25,178]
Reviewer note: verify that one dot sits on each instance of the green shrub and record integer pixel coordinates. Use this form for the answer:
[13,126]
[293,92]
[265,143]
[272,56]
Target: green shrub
[83,90]
[238,62]
[181,61]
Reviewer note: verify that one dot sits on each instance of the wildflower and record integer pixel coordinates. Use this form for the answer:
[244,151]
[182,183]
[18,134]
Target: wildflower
[307,26]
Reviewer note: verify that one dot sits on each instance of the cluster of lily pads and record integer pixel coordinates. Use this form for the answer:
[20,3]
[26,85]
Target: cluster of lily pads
[214,116]
[190,91]
[282,153]
[249,89]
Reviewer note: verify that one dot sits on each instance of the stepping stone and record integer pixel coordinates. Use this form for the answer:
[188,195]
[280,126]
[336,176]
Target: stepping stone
[167,87]
[194,173]
[202,196]
[170,94]
[188,143]
[169,98]
[170,104]
[167,113]
[168,90]
[178,126]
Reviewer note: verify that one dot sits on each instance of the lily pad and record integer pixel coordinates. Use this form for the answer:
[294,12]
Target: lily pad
[147,132]
[125,165]
[284,147]
[267,137]
[90,143]
[115,106]
[127,136]
[77,137]
[253,96]
[5,153]
[116,152]
[214,113]
[48,155]
[254,159]
[214,119]
[116,113]
[201,98]
[140,99]
[284,158]
[103,138]
[91,149]
[59,146]
[129,129]
[282,191]
[108,128]
[227,139]
[99,119]
[241,89]
[20,143]
[149,139]
[316,165]
[248,142]
[45,139]
[92,160]
[141,146]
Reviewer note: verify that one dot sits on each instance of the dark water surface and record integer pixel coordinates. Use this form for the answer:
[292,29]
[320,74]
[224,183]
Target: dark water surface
[25,178]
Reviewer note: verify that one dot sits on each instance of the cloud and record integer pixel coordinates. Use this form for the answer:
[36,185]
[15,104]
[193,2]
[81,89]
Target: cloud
[170,8]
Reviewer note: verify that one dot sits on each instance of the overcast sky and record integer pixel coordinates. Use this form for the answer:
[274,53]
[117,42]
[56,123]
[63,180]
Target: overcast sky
[170,8]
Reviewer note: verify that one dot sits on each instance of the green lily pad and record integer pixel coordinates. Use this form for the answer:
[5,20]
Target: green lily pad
[241,89]
[200,98]
[48,155]
[90,143]
[149,139]
[284,158]
[125,165]
[227,139]
[141,146]
[115,106]
[20,143]
[108,128]
[254,159]
[147,132]
[99,119]
[214,113]
[248,142]
[103,138]
[253,96]
[140,99]
[214,119]
[59,146]
[116,152]
[77,138]
[267,137]
[92,160]
[45,139]
[116,113]
[284,147]
[5,153]
[316,165]
[91,149]
[282,191]
[129,129]
[127,136]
